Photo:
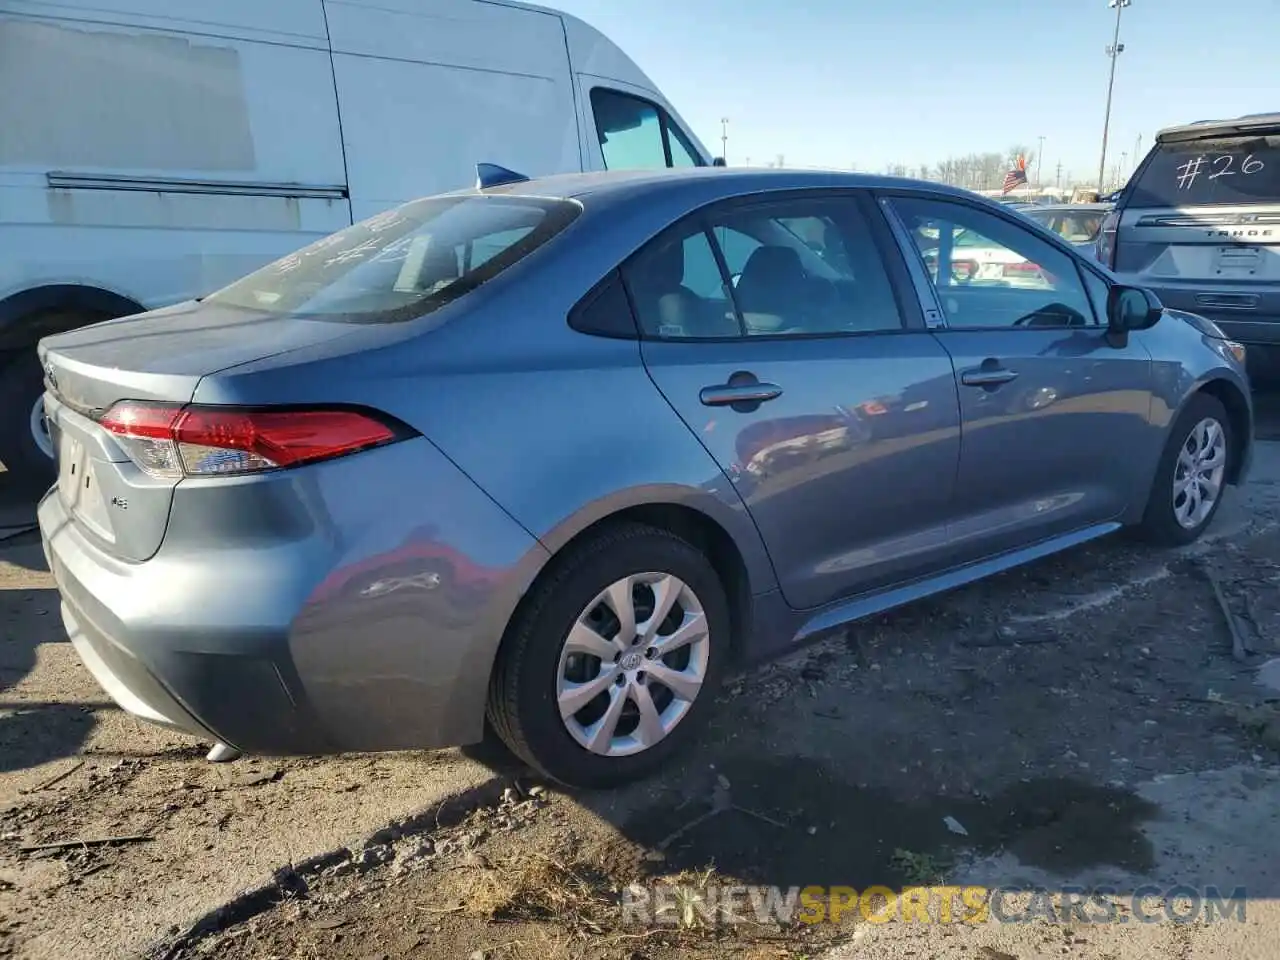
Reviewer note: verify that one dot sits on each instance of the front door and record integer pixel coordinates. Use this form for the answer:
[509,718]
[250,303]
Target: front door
[774,331]
[1048,406]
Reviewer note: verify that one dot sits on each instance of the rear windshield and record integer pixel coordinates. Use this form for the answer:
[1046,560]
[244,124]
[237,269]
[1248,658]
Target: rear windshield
[403,263]
[1210,172]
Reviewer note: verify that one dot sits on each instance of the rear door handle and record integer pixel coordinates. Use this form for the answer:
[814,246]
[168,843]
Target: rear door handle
[728,394]
[987,376]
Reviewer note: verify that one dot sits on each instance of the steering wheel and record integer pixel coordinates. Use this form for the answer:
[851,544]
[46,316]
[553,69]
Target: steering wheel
[1052,315]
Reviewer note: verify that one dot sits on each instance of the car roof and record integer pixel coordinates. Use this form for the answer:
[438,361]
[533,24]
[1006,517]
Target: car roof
[619,185]
[1204,129]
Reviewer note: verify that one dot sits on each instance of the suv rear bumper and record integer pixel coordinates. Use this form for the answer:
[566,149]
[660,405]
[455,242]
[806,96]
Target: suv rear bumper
[1259,332]
[300,646]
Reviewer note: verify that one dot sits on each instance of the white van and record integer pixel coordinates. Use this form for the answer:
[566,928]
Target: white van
[153,150]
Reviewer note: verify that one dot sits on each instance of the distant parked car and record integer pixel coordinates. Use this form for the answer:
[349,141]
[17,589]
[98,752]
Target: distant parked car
[1077,223]
[389,486]
[1199,223]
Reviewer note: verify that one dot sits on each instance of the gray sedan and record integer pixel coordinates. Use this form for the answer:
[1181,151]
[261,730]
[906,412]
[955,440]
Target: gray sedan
[545,458]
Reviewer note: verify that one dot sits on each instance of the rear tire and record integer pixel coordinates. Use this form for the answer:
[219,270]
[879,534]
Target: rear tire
[1191,477]
[27,456]
[627,720]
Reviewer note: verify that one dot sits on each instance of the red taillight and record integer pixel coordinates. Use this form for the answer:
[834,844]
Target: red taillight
[1105,249]
[168,440]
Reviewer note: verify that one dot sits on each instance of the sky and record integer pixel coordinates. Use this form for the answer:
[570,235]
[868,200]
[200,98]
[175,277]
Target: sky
[845,83]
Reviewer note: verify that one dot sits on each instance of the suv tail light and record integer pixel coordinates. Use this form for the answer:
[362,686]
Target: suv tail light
[174,441]
[1106,244]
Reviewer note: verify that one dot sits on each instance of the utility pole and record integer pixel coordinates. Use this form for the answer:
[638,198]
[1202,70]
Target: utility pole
[1057,182]
[1113,52]
[1039,162]
[1137,151]
[724,140]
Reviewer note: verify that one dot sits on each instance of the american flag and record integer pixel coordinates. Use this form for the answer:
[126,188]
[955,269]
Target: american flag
[1016,176]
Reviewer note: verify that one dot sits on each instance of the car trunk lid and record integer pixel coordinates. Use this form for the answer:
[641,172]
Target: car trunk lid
[159,356]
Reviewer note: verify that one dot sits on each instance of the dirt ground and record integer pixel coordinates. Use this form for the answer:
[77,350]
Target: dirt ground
[1082,720]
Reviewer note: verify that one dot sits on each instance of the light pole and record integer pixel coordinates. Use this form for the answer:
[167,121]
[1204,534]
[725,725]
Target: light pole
[724,140]
[1113,52]
[1039,162]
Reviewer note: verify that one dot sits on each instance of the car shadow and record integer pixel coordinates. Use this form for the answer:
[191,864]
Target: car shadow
[19,539]
[981,735]
[34,729]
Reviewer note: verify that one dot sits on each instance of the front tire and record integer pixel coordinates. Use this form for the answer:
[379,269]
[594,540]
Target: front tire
[613,662]
[25,449]
[1191,477]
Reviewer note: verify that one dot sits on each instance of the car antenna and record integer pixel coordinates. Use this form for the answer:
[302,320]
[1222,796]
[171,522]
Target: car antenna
[492,175]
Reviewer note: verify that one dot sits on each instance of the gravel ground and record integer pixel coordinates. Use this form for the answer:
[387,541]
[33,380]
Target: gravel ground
[1082,718]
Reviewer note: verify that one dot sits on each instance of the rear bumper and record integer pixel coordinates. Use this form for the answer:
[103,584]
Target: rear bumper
[1258,331]
[163,668]
[300,647]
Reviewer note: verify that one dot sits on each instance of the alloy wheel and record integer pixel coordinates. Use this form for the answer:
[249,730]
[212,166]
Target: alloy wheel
[633,664]
[1199,472]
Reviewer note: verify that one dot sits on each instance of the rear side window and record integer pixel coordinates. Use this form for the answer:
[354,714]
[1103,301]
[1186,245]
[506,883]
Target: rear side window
[1230,170]
[403,263]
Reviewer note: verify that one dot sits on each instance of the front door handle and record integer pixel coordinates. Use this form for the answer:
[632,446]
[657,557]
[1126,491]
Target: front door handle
[985,376]
[731,394]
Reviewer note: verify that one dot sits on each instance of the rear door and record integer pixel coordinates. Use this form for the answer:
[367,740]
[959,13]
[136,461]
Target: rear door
[1052,414]
[1201,226]
[774,331]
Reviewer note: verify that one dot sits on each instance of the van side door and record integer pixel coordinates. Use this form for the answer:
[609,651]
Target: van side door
[430,88]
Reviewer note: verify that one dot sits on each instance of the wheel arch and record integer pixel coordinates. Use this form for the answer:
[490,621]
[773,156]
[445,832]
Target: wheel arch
[54,301]
[736,564]
[1238,410]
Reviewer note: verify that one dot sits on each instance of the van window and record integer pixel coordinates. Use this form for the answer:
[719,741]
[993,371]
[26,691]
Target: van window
[1228,170]
[403,263]
[638,135]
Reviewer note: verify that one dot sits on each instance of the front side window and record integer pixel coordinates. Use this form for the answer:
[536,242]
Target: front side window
[800,267]
[636,134]
[990,272]
[403,263]
[682,152]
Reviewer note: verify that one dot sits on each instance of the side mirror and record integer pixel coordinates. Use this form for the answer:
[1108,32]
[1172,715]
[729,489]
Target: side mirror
[718,162]
[1129,309]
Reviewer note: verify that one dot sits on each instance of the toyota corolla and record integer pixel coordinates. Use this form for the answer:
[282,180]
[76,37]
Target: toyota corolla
[477,463]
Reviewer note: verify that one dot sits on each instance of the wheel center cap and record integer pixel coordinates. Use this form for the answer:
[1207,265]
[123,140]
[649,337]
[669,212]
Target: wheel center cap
[631,661]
